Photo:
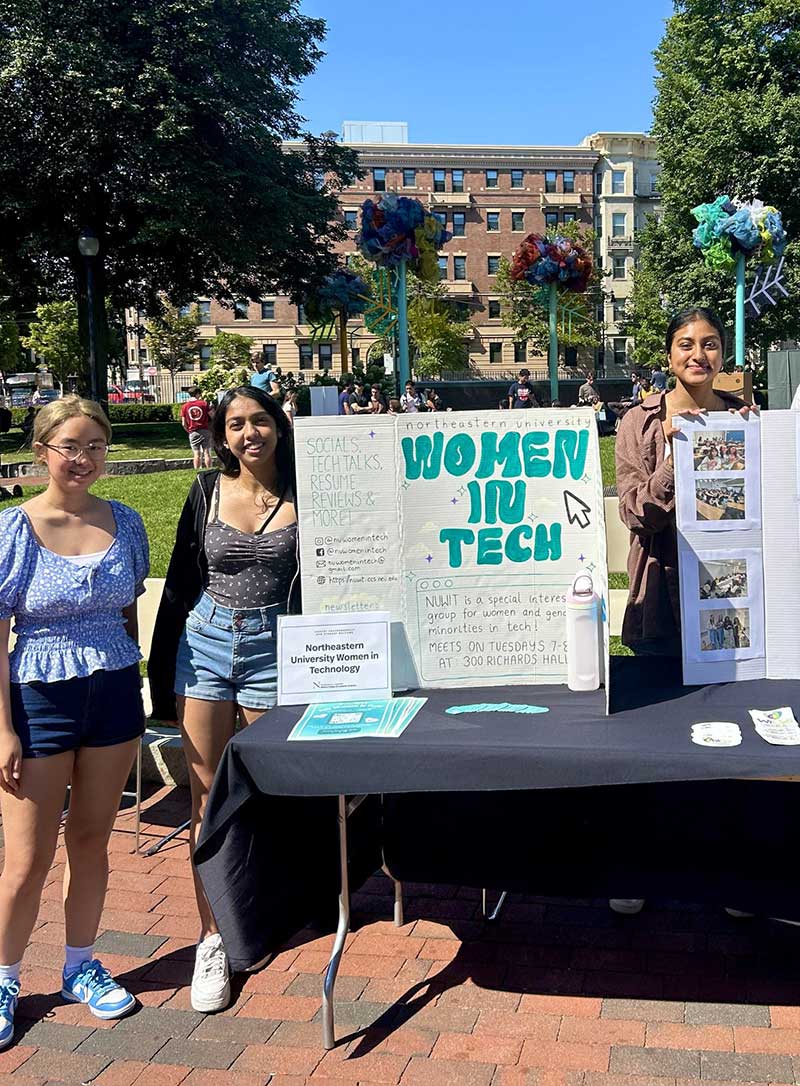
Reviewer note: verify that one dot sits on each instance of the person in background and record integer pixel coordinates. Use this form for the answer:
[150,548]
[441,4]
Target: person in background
[695,348]
[520,394]
[411,400]
[378,400]
[395,407]
[587,393]
[636,389]
[645,388]
[71,713]
[344,398]
[433,401]
[196,421]
[213,658]
[658,379]
[290,405]
[275,389]
[360,402]
[262,376]
[502,405]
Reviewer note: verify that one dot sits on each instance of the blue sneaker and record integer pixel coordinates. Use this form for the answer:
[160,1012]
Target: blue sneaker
[9,994]
[93,984]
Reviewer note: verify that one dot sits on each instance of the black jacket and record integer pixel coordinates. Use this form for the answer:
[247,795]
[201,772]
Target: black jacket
[187,576]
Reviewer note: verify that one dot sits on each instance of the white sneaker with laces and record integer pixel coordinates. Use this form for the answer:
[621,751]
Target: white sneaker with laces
[211,985]
[627,906]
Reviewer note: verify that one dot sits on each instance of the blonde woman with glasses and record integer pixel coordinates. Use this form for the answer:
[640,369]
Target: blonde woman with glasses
[71,567]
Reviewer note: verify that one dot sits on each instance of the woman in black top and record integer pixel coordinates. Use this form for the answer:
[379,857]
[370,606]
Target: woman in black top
[214,646]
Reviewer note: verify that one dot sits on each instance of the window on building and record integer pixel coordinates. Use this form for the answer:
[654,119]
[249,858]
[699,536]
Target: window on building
[269,352]
[301,314]
[185,311]
[598,221]
[442,267]
[355,357]
[494,309]
[636,188]
[142,354]
[351,220]
[569,180]
[598,184]
[619,310]
[496,353]
[268,311]
[517,178]
[520,352]
[549,180]
[551,219]
[517,220]
[654,184]
[379,179]
[459,224]
[457,179]
[618,182]
[599,313]
[325,356]
[459,267]
[618,224]
[133,354]
[491,179]
[204,309]
[569,216]
[438,180]
[205,358]
[306,355]
[409,178]
[619,267]
[492,265]
[240,309]
[493,220]
[620,352]
[441,216]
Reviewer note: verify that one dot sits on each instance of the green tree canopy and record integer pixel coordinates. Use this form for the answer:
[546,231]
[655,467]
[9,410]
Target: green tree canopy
[727,118]
[54,336]
[172,338]
[230,350]
[645,316]
[161,124]
[10,346]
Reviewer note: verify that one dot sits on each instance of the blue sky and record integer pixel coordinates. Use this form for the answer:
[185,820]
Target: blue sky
[494,71]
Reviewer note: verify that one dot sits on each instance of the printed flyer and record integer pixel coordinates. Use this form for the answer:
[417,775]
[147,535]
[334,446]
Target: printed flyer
[467,527]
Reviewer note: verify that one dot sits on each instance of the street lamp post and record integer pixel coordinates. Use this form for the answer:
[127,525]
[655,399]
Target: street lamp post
[89,247]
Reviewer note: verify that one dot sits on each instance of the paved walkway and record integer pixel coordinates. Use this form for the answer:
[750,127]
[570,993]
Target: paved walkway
[559,993]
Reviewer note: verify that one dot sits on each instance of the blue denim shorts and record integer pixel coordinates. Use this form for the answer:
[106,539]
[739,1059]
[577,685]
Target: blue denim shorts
[99,710]
[229,655]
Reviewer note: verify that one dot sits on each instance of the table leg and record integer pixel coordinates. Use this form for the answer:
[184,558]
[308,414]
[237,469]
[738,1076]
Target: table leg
[398,896]
[495,914]
[328,984]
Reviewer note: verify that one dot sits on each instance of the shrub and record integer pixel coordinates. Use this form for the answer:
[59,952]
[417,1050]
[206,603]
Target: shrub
[141,412]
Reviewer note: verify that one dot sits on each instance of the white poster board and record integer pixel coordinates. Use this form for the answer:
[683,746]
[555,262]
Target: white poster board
[738,536]
[324,399]
[468,527]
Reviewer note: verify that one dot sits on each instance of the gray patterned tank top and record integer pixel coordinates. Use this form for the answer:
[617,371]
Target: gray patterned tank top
[249,570]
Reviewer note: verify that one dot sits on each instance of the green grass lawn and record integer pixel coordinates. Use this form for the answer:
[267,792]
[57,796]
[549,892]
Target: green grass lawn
[131,441]
[607,464]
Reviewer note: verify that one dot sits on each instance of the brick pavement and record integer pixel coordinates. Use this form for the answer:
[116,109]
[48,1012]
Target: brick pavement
[559,993]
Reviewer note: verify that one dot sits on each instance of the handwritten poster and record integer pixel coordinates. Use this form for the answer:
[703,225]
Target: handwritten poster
[468,527]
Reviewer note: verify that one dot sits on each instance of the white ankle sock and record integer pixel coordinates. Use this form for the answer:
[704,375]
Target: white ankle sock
[10,972]
[75,956]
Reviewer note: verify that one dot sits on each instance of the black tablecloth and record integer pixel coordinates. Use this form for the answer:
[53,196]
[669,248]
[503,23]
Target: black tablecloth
[268,855]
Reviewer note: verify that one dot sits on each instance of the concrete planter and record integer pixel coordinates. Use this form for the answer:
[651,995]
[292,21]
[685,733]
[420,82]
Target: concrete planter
[113,467]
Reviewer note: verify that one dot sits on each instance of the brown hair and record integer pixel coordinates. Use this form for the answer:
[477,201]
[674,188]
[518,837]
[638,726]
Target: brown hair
[55,414]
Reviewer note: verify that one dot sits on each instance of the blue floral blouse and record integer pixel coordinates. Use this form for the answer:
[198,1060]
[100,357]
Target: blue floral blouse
[68,618]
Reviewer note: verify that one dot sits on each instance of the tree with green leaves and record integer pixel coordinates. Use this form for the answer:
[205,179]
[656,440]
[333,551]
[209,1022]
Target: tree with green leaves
[11,355]
[170,127]
[726,118]
[172,339]
[645,316]
[53,335]
[230,350]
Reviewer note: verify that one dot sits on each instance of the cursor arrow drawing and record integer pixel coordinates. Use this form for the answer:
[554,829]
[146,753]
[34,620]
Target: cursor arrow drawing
[577,509]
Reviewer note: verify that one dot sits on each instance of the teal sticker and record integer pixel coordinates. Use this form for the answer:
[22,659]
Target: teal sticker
[496,707]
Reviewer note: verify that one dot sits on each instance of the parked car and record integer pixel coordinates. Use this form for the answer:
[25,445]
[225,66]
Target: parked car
[131,392]
[46,395]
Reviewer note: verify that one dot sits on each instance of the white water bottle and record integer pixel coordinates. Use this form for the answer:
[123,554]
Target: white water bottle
[583,635]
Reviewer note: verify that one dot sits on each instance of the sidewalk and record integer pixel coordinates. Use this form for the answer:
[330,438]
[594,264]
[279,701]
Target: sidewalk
[558,993]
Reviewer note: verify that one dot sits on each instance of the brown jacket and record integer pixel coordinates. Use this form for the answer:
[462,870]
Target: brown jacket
[646,489]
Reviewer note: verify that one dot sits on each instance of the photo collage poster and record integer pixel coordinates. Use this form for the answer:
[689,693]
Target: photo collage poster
[468,527]
[738,516]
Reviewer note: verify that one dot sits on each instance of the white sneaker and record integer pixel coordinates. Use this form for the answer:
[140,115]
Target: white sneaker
[738,914]
[211,985]
[627,906]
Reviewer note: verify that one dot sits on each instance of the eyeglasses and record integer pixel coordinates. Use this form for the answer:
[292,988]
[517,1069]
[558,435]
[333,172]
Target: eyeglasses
[95,450]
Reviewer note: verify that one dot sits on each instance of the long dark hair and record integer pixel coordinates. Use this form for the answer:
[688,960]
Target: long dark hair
[284,450]
[694,313]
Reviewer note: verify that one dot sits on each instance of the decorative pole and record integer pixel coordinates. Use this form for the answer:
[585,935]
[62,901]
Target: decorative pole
[403,366]
[553,345]
[740,268]
[730,231]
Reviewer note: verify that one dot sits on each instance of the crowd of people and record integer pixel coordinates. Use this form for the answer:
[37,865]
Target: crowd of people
[727,498]
[730,585]
[719,453]
[356,398]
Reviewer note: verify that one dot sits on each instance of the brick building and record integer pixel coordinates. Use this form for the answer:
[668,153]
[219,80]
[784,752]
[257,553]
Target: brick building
[489,198]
